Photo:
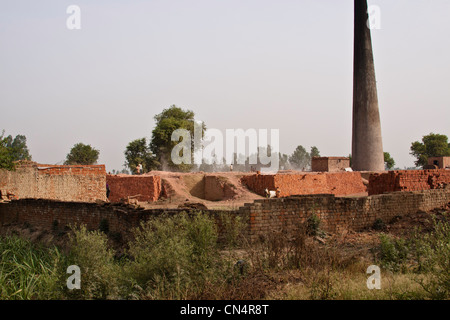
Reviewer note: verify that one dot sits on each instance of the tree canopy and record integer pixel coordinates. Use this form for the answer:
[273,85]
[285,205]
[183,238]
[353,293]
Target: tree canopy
[161,144]
[82,154]
[300,158]
[13,149]
[138,151]
[389,162]
[432,145]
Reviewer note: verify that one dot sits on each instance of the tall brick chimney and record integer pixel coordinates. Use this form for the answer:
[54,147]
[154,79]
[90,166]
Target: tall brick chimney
[367,146]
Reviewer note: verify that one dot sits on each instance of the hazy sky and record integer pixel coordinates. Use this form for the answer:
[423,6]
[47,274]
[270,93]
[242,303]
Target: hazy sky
[284,64]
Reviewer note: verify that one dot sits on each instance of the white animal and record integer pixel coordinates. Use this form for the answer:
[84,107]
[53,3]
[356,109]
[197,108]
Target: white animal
[270,194]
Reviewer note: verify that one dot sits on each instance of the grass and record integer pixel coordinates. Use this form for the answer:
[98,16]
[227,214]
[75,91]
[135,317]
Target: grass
[182,257]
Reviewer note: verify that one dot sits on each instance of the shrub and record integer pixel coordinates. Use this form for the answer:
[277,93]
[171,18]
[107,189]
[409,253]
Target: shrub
[393,253]
[313,225]
[99,274]
[173,256]
[379,225]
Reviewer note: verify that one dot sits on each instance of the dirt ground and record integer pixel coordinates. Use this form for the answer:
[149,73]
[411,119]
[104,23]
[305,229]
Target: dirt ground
[181,188]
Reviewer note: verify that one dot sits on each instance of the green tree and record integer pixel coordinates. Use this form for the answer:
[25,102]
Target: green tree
[13,149]
[283,161]
[138,151]
[314,152]
[300,158]
[432,145]
[82,154]
[161,143]
[389,162]
[18,147]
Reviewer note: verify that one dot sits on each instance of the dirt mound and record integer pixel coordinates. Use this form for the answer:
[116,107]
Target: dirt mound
[214,190]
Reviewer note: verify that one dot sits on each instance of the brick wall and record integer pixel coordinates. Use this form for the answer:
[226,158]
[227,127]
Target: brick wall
[64,183]
[407,180]
[50,214]
[145,187]
[337,214]
[262,216]
[329,164]
[442,162]
[337,183]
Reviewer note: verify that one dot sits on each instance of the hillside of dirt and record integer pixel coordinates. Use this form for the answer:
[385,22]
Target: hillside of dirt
[218,190]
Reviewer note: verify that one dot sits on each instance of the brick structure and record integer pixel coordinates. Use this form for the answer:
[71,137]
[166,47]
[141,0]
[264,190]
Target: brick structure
[140,187]
[262,216]
[337,214]
[64,183]
[439,162]
[338,183]
[407,180]
[329,164]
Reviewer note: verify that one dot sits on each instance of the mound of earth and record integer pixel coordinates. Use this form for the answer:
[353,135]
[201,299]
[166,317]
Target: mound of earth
[222,190]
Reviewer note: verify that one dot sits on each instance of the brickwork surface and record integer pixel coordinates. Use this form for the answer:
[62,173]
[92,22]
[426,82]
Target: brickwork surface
[329,164]
[337,183]
[262,216]
[408,180]
[337,214]
[64,183]
[142,188]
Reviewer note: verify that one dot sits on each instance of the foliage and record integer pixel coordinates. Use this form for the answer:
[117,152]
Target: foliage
[89,251]
[389,162]
[424,253]
[314,152]
[300,158]
[27,271]
[13,149]
[379,225]
[313,225]
[432,145]
[82,154]
[138,152]
[161,144]
[393,253]
[173,256]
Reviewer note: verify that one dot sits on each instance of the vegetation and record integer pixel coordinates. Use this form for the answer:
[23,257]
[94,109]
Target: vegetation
[301,159]
[432,145]
[389,162]
[161,143]
[82,154]
[138,152]
[13,149]
[184,257]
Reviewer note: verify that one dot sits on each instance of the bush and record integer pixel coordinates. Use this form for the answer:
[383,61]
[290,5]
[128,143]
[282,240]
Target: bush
[313,225]
[379,225]
[393,253]
[99,274]
[173,256]
[434,251]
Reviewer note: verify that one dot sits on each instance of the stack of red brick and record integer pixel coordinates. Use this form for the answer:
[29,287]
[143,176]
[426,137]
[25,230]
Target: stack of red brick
[408,180]
[142,188]
[337,183]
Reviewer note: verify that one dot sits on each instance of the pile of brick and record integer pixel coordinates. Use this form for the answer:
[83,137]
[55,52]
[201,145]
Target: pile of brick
[336,183]
[408,180]
[6,196]
[140,187]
